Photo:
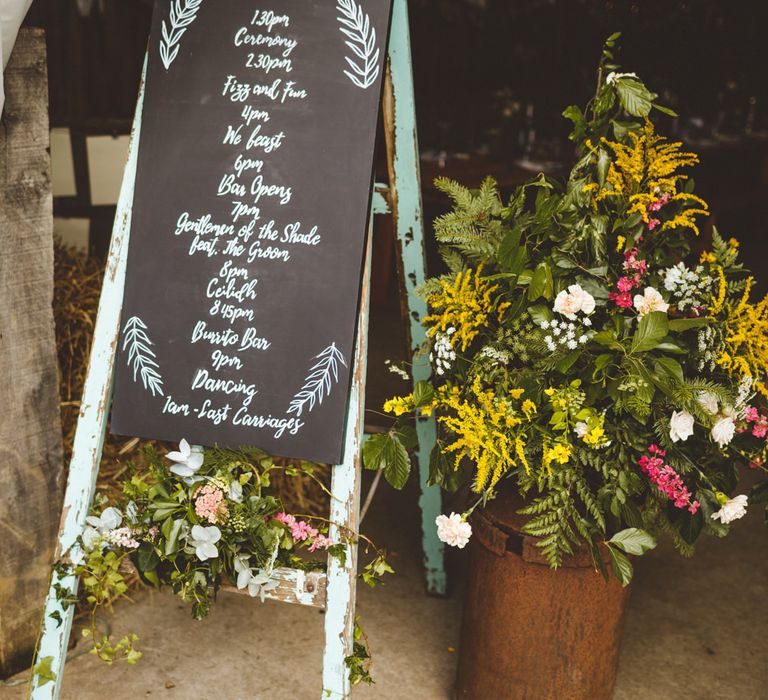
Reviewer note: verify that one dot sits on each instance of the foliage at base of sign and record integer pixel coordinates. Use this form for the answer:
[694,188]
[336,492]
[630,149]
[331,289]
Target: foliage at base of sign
[206,519]
[586,355]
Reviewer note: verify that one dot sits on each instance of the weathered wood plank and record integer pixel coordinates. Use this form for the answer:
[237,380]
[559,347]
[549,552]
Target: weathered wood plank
[89,436]
[294,586]
[30,430]
[345,515]
[405,199]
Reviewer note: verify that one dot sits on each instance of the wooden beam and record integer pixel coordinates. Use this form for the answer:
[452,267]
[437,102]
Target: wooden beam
[30,429]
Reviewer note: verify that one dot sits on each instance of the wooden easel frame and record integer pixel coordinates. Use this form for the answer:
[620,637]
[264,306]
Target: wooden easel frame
[336,589]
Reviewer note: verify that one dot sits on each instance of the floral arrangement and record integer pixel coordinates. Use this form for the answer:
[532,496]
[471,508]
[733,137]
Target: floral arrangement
[195,520]
[585,355]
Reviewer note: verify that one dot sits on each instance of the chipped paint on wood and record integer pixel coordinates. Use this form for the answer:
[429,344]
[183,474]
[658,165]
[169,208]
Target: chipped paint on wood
[405,198]
[91,425]
[294,586]
[345,510]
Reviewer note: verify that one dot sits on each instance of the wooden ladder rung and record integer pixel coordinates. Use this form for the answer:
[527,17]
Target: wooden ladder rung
[293,586]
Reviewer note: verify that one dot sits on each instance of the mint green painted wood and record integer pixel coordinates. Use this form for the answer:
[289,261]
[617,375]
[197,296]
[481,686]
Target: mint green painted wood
[345,510]
[89,435]
[410,233]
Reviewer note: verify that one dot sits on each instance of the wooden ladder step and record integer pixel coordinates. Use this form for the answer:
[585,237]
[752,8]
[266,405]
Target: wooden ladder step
[293,586]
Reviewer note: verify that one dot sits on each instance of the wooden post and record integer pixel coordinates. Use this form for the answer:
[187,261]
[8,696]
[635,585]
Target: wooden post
[30,428]
[405,195]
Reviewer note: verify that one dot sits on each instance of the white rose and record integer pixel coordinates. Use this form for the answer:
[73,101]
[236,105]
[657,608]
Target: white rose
[723,431]
[649,300]
[453,530]
[569,302]
[708,402]
[732,509]
[680,426]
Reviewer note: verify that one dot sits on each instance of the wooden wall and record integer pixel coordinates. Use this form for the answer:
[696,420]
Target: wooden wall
[30,431]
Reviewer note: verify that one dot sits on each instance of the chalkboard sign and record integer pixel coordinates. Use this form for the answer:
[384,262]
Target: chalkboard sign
[249,221]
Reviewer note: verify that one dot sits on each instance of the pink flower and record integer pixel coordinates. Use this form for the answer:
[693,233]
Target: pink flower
[659,203]
[624,300]
[302,530]
[653,223]
[626,284]
[321,542]
[209,504]
[284,518]
[632,264]
[667,480]
[759,430]
[751,414]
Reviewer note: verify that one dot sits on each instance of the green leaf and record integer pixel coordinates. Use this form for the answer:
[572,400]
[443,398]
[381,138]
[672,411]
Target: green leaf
[666,110]
[671,367]
[171,543]
[689,526]
[539,313]
[385,451]
[621,566]
[541,283]
[650,330]
[508,249]
[408,436]
[423,393]
[633,540]
[44,671]
[683,324]
[634,97]
[567,361]
[147,559]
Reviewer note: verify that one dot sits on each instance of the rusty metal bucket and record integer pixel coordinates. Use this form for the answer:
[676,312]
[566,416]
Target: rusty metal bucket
[530,632]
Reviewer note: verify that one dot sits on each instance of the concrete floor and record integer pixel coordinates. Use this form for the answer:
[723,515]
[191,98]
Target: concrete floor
[696,629]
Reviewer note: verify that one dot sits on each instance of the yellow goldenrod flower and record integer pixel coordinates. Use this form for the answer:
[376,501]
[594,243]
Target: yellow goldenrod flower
[745,334]
[707,257]
[620,241]
[717,302]
[399,405]
[559,453]
[647,170]
[464,305]
[529,408]
[483,428]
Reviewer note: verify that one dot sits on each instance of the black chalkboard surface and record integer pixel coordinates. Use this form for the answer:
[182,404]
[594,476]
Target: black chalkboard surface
[250,212]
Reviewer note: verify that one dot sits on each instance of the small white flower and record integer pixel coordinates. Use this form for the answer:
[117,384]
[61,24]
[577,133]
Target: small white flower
[236,491]
[544,324]
[91,537]
[612,77]
[732,509]
[572,344]
[680,426]
[581,429]
[569,302]
[587,321]
[583,339]
[650,300]
[723,431]
[453,530]
[451,330]
[708,402]
[189,459]
[204,541]
[109,519]
[556,330]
